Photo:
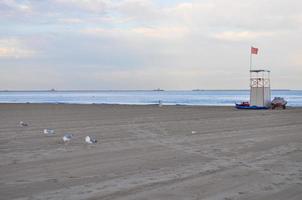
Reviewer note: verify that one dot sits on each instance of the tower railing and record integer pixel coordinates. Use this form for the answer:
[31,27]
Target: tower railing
[259,78]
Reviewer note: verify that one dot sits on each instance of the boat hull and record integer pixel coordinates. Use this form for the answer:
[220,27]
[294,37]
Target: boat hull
[251,107]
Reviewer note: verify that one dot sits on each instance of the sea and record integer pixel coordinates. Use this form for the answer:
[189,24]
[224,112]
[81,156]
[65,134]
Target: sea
[143,97]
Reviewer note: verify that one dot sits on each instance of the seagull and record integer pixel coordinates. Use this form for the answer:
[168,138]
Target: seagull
[67,137]
[23,124]
[49,132]
[90,140]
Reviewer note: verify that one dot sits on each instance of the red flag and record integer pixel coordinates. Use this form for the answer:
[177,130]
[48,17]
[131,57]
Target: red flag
[254,50]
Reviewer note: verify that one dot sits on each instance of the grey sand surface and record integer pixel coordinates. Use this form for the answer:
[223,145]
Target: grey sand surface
[150,152]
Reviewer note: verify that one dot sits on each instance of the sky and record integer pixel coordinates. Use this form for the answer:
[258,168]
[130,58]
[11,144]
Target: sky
[148,44]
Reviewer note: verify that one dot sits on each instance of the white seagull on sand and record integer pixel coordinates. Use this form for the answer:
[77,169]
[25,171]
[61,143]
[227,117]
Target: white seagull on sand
[90,140]
[67,137]
[49,131]
[23,124]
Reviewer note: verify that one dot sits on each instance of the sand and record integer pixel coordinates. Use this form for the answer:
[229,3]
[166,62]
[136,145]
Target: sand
[150,152]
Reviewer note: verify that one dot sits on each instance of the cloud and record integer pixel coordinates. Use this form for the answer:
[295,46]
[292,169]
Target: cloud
[166,33]
[14,48]
[242,35]
[12,5]
[167,77]
[30,76]
[296,59]
[162,32]
[175,44]
[89,5]
[182,12]
[139,10]
[71,20]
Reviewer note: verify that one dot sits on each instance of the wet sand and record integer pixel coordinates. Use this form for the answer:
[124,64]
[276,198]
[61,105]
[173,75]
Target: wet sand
[150,152]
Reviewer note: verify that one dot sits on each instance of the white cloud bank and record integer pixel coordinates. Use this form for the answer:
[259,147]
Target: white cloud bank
[14,48]
[144,44]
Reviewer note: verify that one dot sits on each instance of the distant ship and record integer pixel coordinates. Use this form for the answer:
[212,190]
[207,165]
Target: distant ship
[52,90]
[197,90]
[158,90]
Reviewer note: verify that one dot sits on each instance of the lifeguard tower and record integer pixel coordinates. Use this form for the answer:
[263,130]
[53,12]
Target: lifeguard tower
[260,91]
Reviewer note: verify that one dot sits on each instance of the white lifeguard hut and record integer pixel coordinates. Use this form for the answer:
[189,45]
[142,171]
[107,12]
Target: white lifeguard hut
[260,90]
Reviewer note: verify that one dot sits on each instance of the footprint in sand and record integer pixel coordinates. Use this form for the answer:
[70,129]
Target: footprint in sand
[269,187]
[228,198]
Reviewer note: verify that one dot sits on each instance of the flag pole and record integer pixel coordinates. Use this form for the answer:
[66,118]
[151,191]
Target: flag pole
[251,58]
[251,62]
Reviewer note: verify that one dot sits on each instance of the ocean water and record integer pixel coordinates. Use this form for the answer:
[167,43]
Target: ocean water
[203,97]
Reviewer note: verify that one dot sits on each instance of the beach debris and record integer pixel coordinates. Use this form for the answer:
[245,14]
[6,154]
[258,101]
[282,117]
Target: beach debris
[23,124]
[90,140]
[67,137]
[48,131]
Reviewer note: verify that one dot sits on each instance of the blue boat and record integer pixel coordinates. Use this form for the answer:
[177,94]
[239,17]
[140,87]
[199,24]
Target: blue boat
[239,106]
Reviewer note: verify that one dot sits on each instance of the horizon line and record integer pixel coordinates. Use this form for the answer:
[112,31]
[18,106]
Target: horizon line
[121,90]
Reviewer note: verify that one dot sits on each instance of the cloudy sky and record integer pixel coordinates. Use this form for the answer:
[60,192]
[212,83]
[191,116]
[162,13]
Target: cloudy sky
[147,44]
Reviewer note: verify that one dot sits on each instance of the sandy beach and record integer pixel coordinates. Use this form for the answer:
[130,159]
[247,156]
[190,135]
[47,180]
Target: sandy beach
[150,152]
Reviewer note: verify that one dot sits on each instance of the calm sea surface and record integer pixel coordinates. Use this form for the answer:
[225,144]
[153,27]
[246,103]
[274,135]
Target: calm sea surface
[204,97]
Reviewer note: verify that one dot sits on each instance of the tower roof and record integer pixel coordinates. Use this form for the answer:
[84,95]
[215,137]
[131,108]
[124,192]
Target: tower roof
[259,70]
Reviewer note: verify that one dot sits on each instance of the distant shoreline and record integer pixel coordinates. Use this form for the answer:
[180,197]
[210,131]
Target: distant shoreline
[128,105]
[194,90]
[112,104]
